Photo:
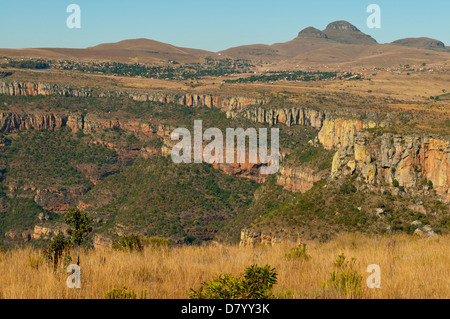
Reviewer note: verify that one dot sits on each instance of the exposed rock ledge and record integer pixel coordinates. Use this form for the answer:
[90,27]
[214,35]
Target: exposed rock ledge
[410,161]
[299,179]
[225,103]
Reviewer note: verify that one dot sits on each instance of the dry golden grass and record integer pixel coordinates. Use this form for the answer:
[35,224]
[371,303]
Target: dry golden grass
[410,268]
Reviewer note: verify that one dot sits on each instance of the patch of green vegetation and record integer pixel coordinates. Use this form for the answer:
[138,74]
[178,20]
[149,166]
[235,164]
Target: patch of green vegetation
[312,156]
[184,202]
[268,197]
[304,76]
[298,253]
[339,206]
[124,293]
[172,71]
[27,64]
[127,243]
[344,280]
[53,158]
[20,215]
[255,282]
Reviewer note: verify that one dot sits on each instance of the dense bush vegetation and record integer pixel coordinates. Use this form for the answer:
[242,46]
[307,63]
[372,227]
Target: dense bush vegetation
[273,76]
[185,202]
[344,280]
[171,71]
[58,252]
[339,206]
[255,283]
[53,158]
[27,64]
[127,243]
[311,156]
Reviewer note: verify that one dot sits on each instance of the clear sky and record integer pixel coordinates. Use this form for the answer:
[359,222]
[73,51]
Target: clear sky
[210,24]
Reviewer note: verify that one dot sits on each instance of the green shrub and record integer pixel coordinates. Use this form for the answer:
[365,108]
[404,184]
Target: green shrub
[344,279]
[347,188]
[58,251]
[124,293]
[128,243]
[255,283]
[298,253]
[395,183]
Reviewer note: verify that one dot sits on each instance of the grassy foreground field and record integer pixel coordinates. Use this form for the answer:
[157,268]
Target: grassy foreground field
[410,268]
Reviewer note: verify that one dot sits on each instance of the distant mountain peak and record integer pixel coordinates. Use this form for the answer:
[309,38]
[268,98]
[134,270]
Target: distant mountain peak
[311,32]
[345,32]
[342,25]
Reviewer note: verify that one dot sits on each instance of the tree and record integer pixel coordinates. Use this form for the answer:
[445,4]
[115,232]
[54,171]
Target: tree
[81,229]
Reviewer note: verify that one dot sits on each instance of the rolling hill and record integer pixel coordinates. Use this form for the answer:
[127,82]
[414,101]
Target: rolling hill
[422,43]
[340,44]
[134,50]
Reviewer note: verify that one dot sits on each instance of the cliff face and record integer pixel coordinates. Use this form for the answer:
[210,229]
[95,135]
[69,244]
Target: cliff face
[299,179]
[92,122]
[10,121]
[410,161]
[193,100]
[32,89]
[341,132]
[334,132]
[196,100]
[289,117]
[40,231]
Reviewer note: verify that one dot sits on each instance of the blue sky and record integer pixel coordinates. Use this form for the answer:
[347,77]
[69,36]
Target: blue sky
[210,24]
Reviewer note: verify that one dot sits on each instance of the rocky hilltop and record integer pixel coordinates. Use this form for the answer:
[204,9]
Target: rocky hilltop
[345,32]
[312,32]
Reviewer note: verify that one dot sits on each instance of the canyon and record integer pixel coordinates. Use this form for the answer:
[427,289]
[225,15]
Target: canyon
[400,164]
[407,159]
